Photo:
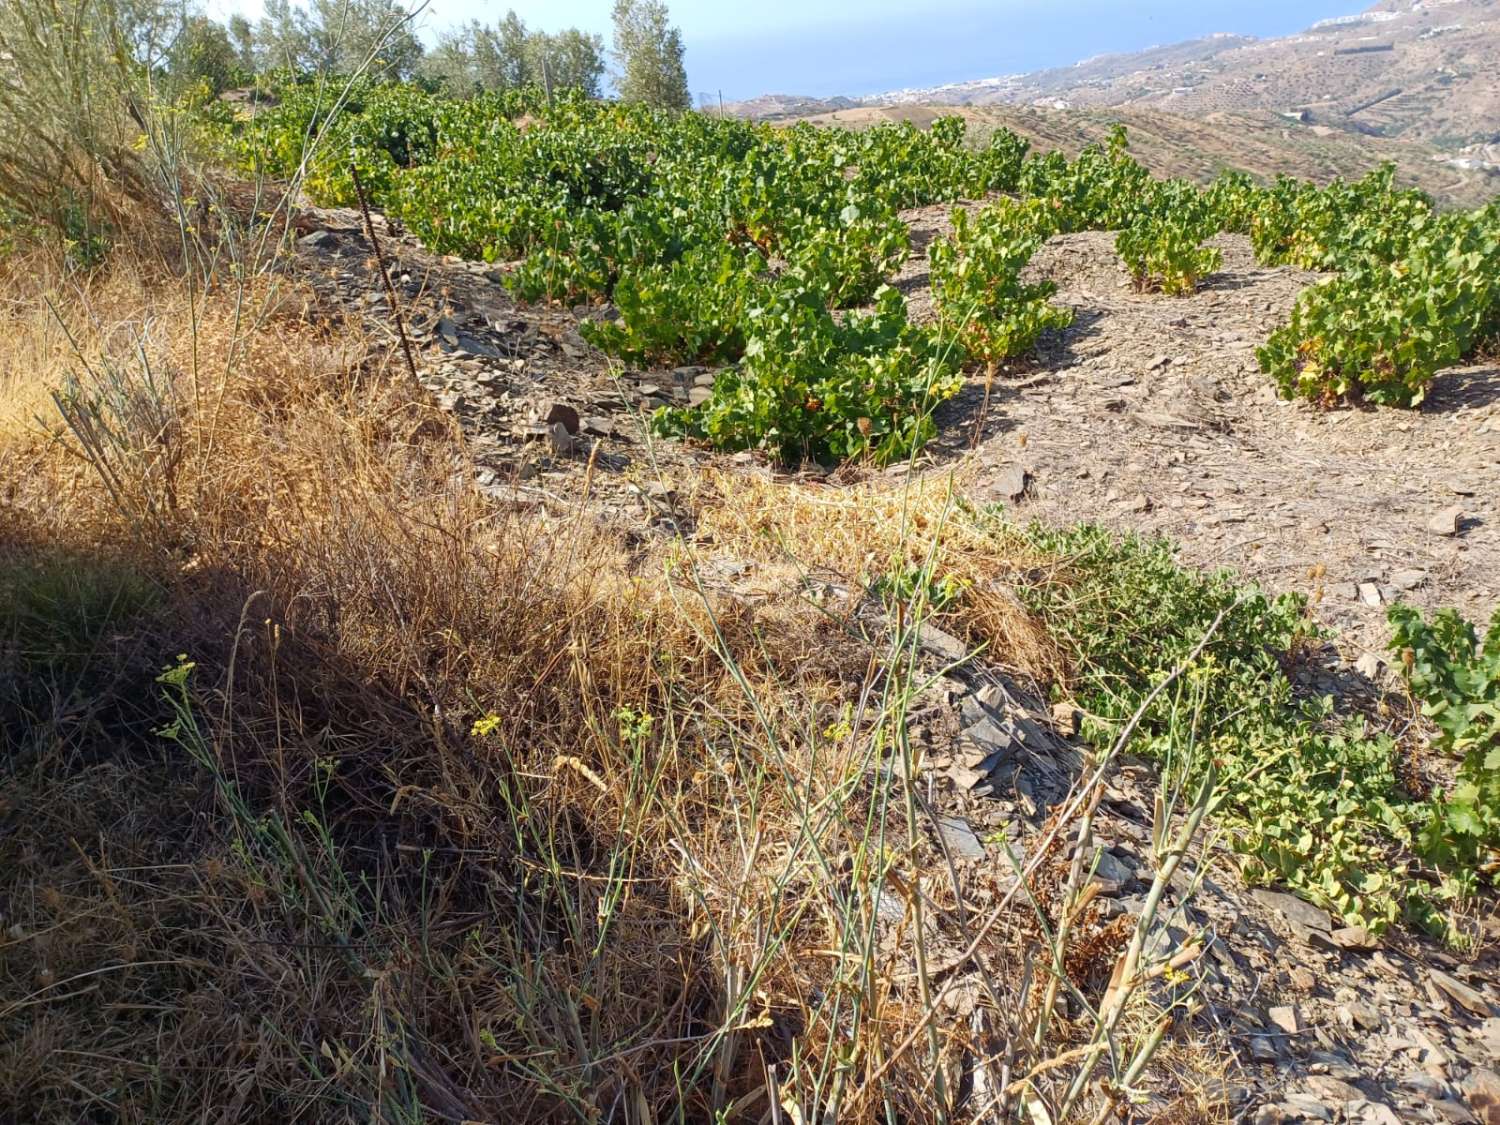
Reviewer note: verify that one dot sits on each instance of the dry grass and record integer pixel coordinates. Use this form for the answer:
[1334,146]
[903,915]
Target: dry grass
[461,812]
[860,534]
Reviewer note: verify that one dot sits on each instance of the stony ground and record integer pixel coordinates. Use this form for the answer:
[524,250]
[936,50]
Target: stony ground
[1149,415]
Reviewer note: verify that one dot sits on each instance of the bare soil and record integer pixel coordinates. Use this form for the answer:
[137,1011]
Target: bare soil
[1150,414]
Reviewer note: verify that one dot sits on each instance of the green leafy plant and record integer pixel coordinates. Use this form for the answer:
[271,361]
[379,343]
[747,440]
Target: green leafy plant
[1165,252]
[814,387]
[983,305]
[1309,800]
[1381,332]
[691,311]
[1456,678]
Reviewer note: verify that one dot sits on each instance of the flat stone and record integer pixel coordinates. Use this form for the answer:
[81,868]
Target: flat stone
[960,838]
[1364,1016]
[1334,1091]
[1447,522]
[1368,665]
[1369,593]
[1011,482]
[1488,1035]
[1408,579]
[1284,1016]
[558,414]
[1113,869]
[1461,993]
[1294,909]
[697,396]
[945,646]
[1262,1049]
[1308,1107]
[316,239]
[1355,938]
[1482,1092]
[564,444]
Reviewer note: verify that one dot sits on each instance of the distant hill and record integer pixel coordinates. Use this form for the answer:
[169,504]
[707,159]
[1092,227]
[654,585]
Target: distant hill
[1417,81]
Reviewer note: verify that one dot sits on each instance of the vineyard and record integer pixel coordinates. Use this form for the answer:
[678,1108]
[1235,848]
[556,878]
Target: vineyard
[768,253]
[716,241]
[517,606]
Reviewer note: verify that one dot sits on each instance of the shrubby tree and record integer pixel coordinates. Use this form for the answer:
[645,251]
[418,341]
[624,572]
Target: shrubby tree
[242,36]
[202,52]
[477,56]
[648,56]
[341,36]
[570,59]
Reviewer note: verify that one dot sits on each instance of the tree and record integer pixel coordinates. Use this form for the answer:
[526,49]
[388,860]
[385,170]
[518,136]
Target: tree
[283,38]
[507,55]
[202,52]
[242,35]
[500,54]
[570,59]
[341,36]
[648,56]
[451,60]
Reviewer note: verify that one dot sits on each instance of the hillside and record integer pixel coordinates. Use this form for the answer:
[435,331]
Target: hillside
[535,608]
[1334,97]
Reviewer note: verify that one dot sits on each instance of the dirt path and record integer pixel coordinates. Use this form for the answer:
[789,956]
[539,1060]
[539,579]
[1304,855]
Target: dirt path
[1149,414]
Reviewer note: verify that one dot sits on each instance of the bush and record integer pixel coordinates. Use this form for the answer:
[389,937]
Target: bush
[1163,248]
[850,261]
[812,387]
[1340,225]
[1381,332]
[1457,681]
[983,305]
[1305,799]
[691,311]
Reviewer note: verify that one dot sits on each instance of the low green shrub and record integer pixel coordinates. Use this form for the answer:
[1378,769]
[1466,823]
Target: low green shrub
[1166,252]
[1381,332]
[811,386]
[691,311]
[1456,678]
[983,305]
[1306,798]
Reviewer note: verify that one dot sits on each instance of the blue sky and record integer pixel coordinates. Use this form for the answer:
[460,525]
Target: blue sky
[824,47]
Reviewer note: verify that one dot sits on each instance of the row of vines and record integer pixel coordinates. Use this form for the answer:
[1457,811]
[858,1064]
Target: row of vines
[719,241]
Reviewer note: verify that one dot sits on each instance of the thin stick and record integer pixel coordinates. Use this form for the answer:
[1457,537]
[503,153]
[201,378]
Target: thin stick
[385,274]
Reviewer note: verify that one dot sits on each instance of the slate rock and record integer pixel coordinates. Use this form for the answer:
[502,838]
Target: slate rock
[1297,911]
[558,414]
[1012,482]
[1447,522]
[1461,993]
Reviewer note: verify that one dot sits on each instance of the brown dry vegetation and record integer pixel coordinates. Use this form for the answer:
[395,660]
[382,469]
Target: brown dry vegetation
[294,880]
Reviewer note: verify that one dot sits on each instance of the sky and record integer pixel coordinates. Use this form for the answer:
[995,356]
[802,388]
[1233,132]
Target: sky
[826,47]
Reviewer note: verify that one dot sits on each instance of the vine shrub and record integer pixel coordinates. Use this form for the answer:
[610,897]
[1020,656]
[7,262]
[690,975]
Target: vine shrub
[811,386]
[1380,332]
[1456,678]
[1165,252]
[983,305]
